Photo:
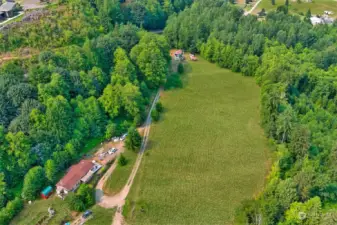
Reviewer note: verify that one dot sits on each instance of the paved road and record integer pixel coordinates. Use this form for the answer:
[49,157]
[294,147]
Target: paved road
[252,9]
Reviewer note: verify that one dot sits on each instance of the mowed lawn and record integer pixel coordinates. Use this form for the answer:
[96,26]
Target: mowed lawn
[316,7]
[101,216]
[206,155]
[31,214]
[120,175]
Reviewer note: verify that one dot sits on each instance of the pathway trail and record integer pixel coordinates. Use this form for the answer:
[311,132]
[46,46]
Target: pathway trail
[7,58]
[253,8]
[99,194]
[118,200]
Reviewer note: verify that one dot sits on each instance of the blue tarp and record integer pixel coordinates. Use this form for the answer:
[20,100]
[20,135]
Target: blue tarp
[47,191]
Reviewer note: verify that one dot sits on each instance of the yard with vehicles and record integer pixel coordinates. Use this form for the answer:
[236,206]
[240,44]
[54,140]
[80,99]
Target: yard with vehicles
[206,155]
[39,208]
[317,7]
[119,177]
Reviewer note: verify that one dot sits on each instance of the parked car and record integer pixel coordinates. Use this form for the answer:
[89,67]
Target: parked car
[86,214]
[112,151]
[115,139]
[103,154]
[123,136]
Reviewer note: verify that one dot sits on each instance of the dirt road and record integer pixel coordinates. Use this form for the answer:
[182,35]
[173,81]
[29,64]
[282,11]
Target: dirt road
[253,8]
[118,200]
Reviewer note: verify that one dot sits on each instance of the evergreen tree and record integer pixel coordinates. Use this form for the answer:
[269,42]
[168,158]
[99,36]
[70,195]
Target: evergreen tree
[133,140]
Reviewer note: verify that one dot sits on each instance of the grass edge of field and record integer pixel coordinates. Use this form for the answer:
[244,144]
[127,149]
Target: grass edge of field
[118,178]
[297,8]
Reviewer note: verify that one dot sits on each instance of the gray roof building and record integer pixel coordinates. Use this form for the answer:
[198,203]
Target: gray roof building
[7,6]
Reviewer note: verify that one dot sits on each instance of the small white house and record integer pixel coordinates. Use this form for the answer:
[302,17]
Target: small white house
[316,20]
[325,19]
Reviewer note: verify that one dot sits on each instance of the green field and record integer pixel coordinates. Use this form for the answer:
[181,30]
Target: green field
[316,7]
[31,214]
[205,156]
[120,175]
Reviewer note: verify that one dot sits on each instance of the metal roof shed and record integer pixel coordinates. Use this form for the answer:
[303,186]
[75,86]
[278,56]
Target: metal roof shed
[47,192]
[8,8]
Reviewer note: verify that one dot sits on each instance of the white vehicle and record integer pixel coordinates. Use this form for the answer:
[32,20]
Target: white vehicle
[124,136]
[102,155]
[115,139]
[112,151]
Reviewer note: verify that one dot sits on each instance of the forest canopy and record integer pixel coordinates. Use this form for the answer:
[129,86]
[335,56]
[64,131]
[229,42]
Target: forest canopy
[295,65]
[93,76]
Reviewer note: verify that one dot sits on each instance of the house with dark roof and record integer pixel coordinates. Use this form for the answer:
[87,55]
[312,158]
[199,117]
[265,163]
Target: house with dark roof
[77,174]
[8,8]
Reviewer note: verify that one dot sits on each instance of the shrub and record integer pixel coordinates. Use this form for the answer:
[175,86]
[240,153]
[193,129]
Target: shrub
[33,183]
[86,194]
[122,161]
[11,210]
[4,218]
[74,202]
[173,81]
[14,207]
[180,68]
[50,170]
[82,199]
[133,140]
[155,115]
[110,130]
[159,107]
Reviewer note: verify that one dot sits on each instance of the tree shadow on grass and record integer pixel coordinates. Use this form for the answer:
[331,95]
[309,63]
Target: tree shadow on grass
[177,80]
[187,68]
[149,146]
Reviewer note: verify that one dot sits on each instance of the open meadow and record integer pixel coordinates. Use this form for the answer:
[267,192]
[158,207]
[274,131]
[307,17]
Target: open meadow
[317,7]
[206,155]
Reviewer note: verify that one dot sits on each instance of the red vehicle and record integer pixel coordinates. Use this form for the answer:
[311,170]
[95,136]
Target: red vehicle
[192,57]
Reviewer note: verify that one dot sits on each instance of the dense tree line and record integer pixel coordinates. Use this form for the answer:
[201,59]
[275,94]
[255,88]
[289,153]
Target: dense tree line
[75,20]
[96,83]
[295,65]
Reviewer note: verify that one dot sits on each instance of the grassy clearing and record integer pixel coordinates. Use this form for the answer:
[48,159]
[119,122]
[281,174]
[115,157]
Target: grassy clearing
[31,214]
[120,175]
[205,156]
[92,144]
[316,7]
[101,216]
